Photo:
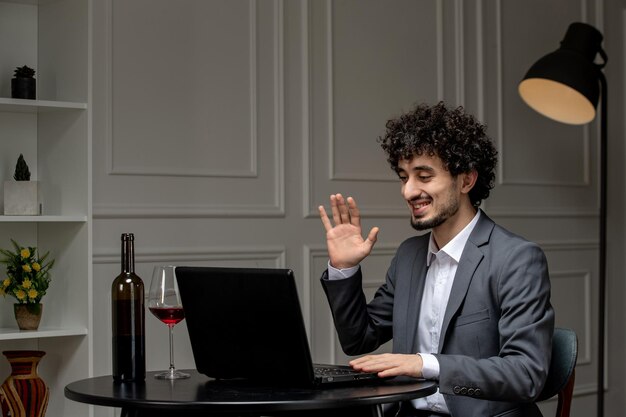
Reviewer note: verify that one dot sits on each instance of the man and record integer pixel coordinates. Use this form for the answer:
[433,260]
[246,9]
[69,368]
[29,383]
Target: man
[468,304]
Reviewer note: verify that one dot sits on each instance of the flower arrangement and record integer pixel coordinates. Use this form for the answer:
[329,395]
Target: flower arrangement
[27,274]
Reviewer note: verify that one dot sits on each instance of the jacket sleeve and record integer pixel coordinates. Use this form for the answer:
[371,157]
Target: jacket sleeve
[361,327]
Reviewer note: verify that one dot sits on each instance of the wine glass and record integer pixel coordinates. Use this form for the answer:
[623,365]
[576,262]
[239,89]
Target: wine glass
[164,302]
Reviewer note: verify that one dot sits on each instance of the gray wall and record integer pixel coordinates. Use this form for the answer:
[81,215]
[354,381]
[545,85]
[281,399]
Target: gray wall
[220,126]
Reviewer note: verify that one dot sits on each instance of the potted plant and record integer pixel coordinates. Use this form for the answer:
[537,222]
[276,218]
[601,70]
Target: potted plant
[27,279]
[21,196]
[23,84]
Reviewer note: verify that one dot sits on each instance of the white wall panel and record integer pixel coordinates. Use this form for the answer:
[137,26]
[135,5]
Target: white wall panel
[189,65]
[573,272]
[190,116]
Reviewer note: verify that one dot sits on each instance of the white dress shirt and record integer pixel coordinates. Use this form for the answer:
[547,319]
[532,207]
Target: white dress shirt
[442,264]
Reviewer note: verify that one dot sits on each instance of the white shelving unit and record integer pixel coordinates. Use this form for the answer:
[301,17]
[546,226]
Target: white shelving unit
[54,134]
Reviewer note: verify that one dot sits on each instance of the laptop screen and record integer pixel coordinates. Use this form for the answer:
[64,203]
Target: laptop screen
[245,323]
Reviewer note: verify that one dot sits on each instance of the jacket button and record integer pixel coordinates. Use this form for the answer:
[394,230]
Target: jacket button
[463,391]
[456,389]
[471,391]
[478,392]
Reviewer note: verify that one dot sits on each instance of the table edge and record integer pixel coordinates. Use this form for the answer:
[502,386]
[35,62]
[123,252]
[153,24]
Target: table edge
[426,388]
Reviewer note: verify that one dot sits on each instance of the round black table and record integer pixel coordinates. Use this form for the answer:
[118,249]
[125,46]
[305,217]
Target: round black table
[200,395]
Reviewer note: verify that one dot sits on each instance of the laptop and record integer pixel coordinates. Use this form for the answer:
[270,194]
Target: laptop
[246,323]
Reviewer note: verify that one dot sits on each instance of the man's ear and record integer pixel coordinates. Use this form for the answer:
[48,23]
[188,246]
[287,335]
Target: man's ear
[468,179]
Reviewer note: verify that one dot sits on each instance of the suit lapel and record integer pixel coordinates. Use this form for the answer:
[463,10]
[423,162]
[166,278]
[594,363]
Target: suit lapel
[470,259]
[418,278]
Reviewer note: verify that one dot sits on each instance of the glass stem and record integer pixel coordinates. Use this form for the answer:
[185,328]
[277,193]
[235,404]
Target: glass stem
[171,328]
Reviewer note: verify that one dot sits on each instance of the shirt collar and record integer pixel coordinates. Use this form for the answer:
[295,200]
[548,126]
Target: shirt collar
[453,248]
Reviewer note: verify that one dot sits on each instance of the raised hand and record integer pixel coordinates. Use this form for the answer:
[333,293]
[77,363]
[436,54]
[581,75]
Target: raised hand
[346,246]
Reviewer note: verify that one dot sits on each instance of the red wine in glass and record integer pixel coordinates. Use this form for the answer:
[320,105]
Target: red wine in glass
[164,302]
[168,315]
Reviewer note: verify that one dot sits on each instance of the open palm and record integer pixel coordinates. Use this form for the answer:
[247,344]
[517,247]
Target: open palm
[346,245]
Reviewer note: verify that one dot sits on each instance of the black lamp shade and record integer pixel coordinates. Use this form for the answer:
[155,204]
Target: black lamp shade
[564,85]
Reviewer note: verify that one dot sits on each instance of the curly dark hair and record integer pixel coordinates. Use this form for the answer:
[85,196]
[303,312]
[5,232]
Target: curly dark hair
[456,137]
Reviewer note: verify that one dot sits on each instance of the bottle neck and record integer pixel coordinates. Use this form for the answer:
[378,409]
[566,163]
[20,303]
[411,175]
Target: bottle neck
[128,256]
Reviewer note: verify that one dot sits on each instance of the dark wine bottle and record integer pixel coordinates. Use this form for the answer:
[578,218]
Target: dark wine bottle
[128,318]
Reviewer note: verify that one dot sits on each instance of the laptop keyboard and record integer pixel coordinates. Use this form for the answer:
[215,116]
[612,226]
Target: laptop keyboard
[333,371]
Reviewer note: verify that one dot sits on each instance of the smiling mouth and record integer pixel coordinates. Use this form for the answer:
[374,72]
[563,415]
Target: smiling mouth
[417,208]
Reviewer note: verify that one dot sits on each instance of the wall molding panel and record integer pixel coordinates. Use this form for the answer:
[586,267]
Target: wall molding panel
[249,171]
[262,165]
[275,254]
[585,340]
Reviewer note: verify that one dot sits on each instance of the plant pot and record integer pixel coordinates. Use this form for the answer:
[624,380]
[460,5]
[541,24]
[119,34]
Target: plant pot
[24,393]
[24,88]
[28,316]
[21,198]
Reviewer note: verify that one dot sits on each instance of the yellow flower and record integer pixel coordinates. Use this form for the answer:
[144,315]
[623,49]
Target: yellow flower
[26,283]
[6,282]
[25,253]
[36,266]
[26,268]
[32,293]
[20,294]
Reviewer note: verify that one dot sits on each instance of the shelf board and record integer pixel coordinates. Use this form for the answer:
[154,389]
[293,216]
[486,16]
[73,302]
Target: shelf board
[33,2]
[16,334]
[43,219]
[18,105]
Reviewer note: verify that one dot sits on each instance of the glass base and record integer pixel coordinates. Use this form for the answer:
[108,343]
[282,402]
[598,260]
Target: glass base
[171,374]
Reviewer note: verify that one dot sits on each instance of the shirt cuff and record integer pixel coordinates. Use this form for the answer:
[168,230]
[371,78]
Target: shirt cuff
[430,366]
[334,273]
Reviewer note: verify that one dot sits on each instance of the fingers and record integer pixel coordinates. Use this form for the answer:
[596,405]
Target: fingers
[324,218]
[355,215]
[344,210]
[340,211]
[388,364]
[334,206]
[358,362]
[373,236]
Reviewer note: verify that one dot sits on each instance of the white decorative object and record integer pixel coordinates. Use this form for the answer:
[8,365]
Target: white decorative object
[21,198]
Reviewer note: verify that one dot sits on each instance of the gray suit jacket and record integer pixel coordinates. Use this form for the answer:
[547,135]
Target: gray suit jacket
[496,337]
